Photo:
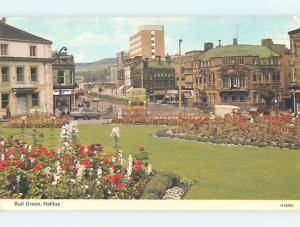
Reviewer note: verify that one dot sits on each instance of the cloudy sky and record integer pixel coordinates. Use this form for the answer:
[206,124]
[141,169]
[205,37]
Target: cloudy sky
[90,39]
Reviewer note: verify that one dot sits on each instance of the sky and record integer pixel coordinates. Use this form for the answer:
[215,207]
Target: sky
[93,38]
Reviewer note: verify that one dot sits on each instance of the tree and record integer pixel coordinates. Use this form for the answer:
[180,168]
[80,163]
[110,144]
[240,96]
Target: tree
[267,94]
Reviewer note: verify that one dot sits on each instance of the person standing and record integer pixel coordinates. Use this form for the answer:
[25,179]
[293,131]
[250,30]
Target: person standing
[8,112]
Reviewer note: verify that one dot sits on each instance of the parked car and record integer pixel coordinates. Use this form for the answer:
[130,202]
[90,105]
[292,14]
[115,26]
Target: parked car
[85,113]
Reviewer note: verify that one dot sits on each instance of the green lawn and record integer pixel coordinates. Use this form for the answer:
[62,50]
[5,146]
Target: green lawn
[221,172]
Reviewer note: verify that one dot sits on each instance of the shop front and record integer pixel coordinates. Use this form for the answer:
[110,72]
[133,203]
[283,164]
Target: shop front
[63,102]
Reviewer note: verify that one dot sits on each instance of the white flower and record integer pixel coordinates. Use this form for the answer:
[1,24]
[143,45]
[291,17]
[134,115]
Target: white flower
[72,180]
[114,159]
[18,178]
[2,143]
[2,157]
[99,172]
[115,132]
[149,169]
[56,178]
[47,170]
[129,168]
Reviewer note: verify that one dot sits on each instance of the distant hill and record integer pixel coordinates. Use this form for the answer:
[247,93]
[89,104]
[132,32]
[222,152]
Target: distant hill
[95,65]
[95,71]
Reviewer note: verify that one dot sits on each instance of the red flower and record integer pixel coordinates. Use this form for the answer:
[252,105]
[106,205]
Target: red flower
[80,147]
[33,154]
[85,163]
[64,166]
[10,152]
[114,177]
[141,148]
[138,162]
[137,167]
[83,153]
[18,162]
[37,167]
[47,152]
[3,164]
[23,149]
[112,166]
[106,160]
[120,185]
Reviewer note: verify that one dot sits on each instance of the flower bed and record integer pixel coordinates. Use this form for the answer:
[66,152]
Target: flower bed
[154,120]
[275,130]
[40,120]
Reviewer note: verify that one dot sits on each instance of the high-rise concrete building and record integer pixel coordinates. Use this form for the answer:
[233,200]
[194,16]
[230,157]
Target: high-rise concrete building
[148,42]
[121,57]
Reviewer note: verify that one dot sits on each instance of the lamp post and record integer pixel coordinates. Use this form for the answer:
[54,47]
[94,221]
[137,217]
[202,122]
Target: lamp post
[179,77]
[59,79]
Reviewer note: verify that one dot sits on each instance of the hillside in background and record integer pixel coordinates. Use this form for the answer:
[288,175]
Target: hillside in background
[95,71]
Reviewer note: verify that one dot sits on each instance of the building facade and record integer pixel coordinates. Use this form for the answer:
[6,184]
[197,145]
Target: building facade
[148,42]
[294,86]
[238,75]
[64,87]
[156,76]
[26,71]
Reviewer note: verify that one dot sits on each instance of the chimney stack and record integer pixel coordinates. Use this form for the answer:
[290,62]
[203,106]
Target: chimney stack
[220,42]
[3,20]
[235,42]
[208,46]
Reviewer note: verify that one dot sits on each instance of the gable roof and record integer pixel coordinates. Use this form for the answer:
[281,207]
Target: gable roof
[12,33]
[239,51]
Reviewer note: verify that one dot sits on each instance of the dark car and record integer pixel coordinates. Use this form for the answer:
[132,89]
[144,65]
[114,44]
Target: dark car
[85,113]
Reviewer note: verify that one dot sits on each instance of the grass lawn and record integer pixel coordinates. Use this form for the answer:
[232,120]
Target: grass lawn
[221,172]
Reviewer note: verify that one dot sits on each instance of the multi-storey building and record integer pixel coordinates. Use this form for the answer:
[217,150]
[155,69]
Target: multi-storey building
[294,87]
[155,75]
[148,42]
[122,56]
[63,71]
[25,70]
[237,74]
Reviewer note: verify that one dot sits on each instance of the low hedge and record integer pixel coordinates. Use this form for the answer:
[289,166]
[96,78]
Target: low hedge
[157,186]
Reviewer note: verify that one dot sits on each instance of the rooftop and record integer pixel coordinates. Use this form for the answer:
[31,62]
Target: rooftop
[11,33]
[294,31]
[239,51]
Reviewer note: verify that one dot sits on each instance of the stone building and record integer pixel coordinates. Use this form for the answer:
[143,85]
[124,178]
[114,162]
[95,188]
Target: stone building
[294,87]
[236,74]
[63,71]
[25,70]
[157,76]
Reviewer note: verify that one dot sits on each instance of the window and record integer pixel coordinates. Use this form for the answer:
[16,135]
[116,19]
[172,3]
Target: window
[242,97]
[233,98]
[32,51]
[225,98]
[5,74]
[213,79]
[61,77]
[3,48]
[33,74]
[233,82]
[242,81]
[254,78]
[225,82]
[254,97]
[20,74]
[35,99]
[241,61]
[5,100]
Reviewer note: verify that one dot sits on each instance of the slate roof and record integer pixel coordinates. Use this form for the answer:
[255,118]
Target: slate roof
[12,33]
[239,51]
[294,31]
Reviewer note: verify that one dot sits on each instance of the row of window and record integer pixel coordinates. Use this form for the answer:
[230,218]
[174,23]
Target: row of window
[267,77]
[234,98]
[4,50]
[20,74]
[240,61]
[234,82]
[5,99]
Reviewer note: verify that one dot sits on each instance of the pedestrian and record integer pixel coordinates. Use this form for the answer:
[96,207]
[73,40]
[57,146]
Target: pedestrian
[79,105]
[7,112]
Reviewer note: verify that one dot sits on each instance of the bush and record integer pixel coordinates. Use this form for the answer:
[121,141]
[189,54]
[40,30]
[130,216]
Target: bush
[158,185]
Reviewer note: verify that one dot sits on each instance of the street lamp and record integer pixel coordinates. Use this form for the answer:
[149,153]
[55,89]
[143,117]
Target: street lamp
[179,84]
[59,79]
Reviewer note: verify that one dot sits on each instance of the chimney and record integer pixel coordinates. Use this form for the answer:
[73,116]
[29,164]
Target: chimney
[168,59]
[208,46]
[3,20]
[235,42]
[267,42]
[220,42]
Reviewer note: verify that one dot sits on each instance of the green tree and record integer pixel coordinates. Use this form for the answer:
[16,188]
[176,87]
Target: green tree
[267,95]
